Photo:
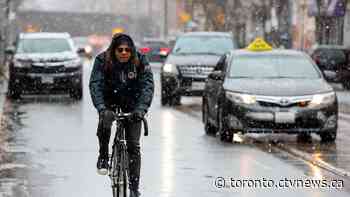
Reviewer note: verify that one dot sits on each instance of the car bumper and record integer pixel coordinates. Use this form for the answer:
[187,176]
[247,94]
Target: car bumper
[250,119]
[36,82]
[183,86]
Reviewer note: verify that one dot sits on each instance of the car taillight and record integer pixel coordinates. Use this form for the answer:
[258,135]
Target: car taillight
[164,51]
[145,50]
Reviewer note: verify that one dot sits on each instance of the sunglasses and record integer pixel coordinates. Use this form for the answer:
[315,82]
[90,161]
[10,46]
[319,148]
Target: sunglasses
[120,50]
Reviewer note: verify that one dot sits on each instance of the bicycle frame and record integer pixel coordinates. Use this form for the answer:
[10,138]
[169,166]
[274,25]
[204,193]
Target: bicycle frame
[118,162]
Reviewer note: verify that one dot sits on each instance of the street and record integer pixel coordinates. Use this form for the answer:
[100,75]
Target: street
[51,150]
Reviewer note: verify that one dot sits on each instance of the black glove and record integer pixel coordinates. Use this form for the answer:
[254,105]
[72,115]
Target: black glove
[108,118]
[137,115]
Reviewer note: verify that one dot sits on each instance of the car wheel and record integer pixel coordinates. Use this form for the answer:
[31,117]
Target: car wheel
[77,93]
[226,135]
[13,92]
[329,136]
[209,128]
[346,85]
[176,100]
[164,98]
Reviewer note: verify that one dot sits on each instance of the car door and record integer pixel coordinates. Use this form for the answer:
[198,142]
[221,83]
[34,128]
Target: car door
[215,87]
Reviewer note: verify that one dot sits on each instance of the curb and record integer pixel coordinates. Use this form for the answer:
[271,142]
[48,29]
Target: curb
[3,92]
[313,160]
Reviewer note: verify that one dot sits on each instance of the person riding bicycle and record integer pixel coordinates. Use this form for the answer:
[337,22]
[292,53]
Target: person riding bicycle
[121,78]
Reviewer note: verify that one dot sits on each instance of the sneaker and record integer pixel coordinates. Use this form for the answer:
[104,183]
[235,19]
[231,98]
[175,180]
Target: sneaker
[102,166]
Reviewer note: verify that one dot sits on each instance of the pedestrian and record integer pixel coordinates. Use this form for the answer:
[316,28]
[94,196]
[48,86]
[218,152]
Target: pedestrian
[121,78]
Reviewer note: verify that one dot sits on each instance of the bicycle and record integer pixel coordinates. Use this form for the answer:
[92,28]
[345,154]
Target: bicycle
[118,161]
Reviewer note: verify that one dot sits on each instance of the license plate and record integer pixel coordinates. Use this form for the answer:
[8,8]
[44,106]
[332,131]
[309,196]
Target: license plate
[198,85]
[46,79]
[284,117]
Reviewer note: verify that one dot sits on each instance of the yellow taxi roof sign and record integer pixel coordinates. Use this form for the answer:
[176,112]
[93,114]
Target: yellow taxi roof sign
[259,44]
[117,30]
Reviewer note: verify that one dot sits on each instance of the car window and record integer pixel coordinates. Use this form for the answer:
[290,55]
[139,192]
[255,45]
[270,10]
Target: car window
[43,45]
[203,45]
[327,55]
[155,44]
[272,66]
[220,66]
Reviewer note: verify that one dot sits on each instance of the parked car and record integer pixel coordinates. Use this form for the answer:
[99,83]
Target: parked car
[155,49]
[269,91]
[45,62]
[193,57]
[334,62]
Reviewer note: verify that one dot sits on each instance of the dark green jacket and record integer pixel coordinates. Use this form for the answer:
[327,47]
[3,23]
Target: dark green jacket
[129,87]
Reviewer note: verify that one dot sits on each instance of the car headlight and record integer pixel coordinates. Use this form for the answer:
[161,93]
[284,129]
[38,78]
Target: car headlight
[240,98]
[73,63]
[88,49]
[170,68]
[323,99]
[21,64]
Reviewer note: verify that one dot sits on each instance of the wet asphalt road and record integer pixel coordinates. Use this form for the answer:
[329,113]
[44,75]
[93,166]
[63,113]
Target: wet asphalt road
[51,150]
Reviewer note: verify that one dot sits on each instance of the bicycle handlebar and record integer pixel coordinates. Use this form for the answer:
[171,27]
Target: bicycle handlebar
[123,116]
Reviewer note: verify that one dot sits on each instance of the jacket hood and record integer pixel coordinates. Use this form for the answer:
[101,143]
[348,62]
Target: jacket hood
[118,39]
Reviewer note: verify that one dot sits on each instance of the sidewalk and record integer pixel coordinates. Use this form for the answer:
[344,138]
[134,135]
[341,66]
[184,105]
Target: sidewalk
[3,90]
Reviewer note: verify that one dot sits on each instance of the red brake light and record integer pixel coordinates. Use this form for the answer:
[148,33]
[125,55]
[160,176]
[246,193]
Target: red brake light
[145,50]
[164,50]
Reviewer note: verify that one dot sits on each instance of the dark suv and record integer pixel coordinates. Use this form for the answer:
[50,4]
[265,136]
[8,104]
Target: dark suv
[193,57]
[44,62]
[333,61]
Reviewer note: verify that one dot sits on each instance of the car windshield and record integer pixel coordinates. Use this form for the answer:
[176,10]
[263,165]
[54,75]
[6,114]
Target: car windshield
[43,45]
[336,55]
[216,45]
[272,66]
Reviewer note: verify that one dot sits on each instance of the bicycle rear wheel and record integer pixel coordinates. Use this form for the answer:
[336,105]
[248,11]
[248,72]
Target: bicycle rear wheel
[120,178]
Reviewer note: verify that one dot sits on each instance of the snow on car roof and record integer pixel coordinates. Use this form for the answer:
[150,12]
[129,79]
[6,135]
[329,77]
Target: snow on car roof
[204,33]
[271,52]
[44,35]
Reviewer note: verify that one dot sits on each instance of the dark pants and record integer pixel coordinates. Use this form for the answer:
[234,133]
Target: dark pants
[132,134]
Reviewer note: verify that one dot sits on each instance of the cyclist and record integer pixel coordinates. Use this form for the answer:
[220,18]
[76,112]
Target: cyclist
[121,78]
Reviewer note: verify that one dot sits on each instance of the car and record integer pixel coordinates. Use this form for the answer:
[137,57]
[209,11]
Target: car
[83,47]
[154,48]
[45,61]
[333,60]
[193,57]
[264,90]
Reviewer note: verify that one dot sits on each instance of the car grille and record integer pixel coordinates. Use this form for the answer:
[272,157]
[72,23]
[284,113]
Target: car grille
[195,71]
[48,69]
[269,104]
[283,102]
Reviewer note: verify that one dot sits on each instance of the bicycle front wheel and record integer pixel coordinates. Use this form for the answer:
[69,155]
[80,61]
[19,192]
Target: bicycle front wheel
[120,180]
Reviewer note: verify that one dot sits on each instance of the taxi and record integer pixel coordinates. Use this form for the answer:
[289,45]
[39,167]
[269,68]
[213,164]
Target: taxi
[264,90]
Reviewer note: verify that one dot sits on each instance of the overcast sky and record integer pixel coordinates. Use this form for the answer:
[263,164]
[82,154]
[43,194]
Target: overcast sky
[100,6]
[70,5]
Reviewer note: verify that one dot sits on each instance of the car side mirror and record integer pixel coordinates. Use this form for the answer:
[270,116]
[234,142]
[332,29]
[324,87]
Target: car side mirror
[217,75]
[329,75]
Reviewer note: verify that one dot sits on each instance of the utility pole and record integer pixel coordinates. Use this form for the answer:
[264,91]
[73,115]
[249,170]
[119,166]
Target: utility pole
[165,19]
